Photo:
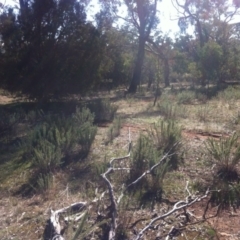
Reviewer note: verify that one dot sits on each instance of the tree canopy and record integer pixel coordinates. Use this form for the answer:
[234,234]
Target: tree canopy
[50,49]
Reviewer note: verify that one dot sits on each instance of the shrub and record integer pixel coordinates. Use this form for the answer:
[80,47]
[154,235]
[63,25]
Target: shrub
[44,181]
[114,130]
[166,136]
[46,156]
[203,113]
[144,156]
[53,142]
[102,109]
[186,97]
[230,93]
[225,154]
[167,110]
[84,130]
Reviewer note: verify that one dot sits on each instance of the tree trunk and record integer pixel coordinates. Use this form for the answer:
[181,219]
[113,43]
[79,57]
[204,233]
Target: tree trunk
[138,66]
[166,73]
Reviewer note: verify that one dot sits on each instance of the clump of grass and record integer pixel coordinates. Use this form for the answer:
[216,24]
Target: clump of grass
[225,154]
[44,182]
[103,110]
[167,110]
[235,120]
[170,111]
[145,155]
[230,93]
[53,142]
[186,97]
[114,130]
[166,136]
[203,113]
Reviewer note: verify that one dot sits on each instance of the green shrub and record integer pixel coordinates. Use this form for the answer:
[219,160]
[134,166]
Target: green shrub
[114,130]
[102,109]
[53,142]
[167,110]
[44,181]
[84,130]
[144,156]
[225,154]
[203,113]
[7,123]
[46,156]
[186,97]
[230,93]
[166,136]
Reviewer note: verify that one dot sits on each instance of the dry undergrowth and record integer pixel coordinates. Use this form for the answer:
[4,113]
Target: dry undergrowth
[24,217]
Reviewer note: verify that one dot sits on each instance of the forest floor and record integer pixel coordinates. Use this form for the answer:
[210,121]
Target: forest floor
[24,217]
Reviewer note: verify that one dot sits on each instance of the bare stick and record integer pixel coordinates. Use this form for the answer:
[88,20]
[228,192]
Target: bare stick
[113,227]
[178,206]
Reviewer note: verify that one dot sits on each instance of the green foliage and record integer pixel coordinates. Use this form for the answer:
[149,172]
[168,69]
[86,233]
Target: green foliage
[53,142]
[103,110]
[203,113]
[46,156]
[84,130]
[144,156]
[169,110]
[55,60]
[166,136]
[211,58]
[44,181]
[186,97]
[114,130]
[148,152]
[80,229]
[230,93]
[225,154]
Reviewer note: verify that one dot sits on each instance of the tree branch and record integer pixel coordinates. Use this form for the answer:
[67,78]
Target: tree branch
[178,206]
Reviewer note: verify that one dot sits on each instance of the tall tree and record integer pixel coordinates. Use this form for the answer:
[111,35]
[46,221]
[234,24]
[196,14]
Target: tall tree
[211,21]
[142,17]
[49,48]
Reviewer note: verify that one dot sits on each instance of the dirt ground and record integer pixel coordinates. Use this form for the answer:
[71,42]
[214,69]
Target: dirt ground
[225,226]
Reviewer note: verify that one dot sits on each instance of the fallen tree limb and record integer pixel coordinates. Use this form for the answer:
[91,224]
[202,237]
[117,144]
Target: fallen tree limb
[178,206]
[53,229]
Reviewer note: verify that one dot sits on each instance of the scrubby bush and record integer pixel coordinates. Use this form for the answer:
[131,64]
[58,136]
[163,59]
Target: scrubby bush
[225,156]
[53,142]
[144,156]
[114,130]
[166,136]
[102,109]
[162,138]
[167,110]
[186,97]
[230,93]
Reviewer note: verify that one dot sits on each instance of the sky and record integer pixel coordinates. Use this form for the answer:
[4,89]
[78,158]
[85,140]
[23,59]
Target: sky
[168,16]
[167,13]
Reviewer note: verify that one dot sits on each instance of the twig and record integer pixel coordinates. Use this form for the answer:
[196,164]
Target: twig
[112,232]
[178,206]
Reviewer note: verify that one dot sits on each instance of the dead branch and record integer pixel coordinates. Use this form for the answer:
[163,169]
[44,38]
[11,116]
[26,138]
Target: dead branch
[113,206]
[53,229]
[178,206]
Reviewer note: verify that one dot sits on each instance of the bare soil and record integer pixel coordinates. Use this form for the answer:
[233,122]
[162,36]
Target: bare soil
[24,218]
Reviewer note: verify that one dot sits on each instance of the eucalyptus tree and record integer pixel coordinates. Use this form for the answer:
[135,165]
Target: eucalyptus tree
[142,16]
[212,22]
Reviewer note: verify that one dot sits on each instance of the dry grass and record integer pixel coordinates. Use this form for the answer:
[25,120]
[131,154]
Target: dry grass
[24,217]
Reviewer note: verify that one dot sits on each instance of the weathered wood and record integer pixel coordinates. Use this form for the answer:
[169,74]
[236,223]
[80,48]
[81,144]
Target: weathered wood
[53,229]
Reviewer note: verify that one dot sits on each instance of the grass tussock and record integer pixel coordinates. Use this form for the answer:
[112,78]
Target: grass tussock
[224,155]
